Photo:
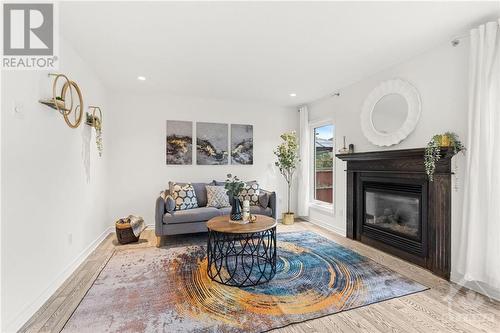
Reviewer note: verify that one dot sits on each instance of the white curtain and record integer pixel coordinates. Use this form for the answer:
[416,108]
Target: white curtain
[305,160]
[479,257]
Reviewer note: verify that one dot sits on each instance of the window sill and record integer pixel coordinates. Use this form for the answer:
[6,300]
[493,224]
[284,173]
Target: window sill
[325,208]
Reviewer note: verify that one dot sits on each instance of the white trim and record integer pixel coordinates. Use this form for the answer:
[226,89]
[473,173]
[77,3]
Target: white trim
[30,309]
[313,202]
[480,288]
[339,231]
[324,208]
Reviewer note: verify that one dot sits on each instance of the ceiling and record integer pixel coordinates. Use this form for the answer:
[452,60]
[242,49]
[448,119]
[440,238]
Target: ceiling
[257,51]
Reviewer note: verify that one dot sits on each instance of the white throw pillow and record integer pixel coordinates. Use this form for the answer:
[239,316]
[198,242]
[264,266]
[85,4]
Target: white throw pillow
[184,196]
[217,197]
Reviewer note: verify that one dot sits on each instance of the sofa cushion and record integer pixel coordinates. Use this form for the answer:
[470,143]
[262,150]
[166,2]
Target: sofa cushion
[260,210]
[264,199]
[217,197]
[169,204]
[199,189]
[184,196]
[191,215]
[253,210]
[250,192]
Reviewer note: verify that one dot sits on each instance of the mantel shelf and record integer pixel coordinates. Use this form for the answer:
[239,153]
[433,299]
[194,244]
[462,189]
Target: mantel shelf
[391,154]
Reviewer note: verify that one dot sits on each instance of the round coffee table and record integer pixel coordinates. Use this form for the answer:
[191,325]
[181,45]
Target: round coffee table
[241,255]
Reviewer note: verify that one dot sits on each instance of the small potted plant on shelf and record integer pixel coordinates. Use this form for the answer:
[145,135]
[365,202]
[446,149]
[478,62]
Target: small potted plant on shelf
[233,188]
[433,150]
[96,123]
[287,154]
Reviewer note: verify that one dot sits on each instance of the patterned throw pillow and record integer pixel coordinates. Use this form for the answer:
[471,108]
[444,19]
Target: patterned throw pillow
[217,197]
[250,192]
[184,196]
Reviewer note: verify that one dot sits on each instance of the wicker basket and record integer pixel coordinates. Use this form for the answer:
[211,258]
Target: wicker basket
[124,233]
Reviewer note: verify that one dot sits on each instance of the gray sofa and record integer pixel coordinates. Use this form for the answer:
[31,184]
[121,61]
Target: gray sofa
[194,220]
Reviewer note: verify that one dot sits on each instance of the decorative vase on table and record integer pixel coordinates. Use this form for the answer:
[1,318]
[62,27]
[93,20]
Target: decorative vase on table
[236,214]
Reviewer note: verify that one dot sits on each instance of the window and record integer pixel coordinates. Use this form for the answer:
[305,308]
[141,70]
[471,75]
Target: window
[323,164]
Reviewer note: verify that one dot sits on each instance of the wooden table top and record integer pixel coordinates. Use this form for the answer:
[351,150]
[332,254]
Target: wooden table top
[222,224]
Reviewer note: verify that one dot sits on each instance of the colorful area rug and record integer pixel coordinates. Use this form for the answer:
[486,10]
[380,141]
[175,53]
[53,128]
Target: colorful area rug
[167,290]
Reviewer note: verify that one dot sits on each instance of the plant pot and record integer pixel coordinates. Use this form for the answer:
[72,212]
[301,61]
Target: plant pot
[288,218]
[236,214]
[444,141]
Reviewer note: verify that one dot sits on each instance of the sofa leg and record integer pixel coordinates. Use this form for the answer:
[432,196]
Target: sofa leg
[158,241]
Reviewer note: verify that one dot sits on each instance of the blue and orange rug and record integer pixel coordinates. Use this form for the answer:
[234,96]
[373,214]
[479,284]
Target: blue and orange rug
[167,290]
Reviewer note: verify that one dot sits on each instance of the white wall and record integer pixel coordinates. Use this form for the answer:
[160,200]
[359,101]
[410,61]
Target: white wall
[440,75]
[138,171]
[51,191]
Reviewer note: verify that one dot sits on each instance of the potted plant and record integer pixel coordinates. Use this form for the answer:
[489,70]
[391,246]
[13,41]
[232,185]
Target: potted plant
[287,154]
[233,188]
[433,150]
[96,123]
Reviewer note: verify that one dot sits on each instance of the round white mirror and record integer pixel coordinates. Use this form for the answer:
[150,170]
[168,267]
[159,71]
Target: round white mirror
[390,112]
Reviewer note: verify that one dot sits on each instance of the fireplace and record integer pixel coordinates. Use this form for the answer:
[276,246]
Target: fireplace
[395,212]
[392,206]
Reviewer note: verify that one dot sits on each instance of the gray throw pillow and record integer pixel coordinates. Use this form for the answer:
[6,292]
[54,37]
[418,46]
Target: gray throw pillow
[169,204]
[264,200]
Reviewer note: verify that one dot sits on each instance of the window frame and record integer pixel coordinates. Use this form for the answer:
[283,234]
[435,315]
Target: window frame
[326,207]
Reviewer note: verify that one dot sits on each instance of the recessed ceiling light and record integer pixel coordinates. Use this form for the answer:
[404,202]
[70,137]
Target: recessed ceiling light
[293,95]
[141,78]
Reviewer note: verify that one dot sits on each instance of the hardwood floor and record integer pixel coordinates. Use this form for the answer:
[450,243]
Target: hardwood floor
[443,308]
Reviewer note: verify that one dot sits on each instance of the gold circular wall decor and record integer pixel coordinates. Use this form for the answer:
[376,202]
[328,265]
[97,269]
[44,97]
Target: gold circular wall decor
[72,116]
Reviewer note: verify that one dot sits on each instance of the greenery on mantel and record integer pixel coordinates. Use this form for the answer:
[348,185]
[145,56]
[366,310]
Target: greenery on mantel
[288,158]
[433,150]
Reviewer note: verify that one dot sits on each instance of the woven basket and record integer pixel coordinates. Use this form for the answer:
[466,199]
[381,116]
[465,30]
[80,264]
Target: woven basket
[124,233]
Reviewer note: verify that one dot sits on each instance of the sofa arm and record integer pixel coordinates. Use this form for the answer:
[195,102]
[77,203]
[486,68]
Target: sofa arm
[272,202]
[160,210]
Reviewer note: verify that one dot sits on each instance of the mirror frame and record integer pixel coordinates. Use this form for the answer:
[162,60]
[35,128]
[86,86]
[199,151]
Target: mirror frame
[395,86]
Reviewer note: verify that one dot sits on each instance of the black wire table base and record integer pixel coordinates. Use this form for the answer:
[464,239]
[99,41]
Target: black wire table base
[241,260]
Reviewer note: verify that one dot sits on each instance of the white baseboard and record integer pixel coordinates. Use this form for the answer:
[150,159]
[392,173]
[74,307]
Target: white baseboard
[30,309]
[476,286]
[339,231]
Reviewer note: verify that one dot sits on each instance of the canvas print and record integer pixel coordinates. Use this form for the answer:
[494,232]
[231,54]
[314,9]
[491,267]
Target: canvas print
[179,142]
[241,144]
[211,144]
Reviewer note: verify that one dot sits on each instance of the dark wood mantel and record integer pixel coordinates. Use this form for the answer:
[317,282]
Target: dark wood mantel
[409,160]
[404,166]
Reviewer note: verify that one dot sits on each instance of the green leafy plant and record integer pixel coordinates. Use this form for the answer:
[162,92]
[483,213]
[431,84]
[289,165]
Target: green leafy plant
[95,122]
[433,150]
[233,186]
[287,154]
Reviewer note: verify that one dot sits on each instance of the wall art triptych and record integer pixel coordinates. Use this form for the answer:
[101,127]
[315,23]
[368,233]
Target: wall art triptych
[212,143]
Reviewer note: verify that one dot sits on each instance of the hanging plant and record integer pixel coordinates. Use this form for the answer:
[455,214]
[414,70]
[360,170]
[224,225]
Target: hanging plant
[96,123]
[433,150]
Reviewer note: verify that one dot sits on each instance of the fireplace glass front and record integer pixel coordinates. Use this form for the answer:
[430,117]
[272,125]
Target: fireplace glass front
[393,211]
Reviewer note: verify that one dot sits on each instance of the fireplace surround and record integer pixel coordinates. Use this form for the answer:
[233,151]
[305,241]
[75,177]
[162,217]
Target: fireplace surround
[392,206]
